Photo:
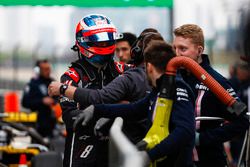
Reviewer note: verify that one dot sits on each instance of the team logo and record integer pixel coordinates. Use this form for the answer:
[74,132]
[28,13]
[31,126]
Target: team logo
[201,87]
[119,67]
[182,94]
[73,74]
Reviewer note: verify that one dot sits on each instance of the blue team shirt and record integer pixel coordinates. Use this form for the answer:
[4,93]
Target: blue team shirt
[179,144]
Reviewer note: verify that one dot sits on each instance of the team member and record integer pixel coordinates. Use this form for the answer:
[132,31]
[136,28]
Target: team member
[123,47]
[36,98]
[95,43]
[210,135]
[177,147]
[131,86]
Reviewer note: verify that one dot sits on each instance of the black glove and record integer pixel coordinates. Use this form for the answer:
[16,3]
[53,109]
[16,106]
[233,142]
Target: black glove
[141,145]
[84,117]
[102,127]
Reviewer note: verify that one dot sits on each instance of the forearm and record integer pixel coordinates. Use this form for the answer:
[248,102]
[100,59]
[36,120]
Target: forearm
[87,97]
[106,95]
[132,111]
[114,92]
[172,144]
[126,111]
[225,132]
[70,91]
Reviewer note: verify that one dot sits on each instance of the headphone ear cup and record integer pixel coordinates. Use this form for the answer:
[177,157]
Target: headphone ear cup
[137,49]
[133,51]
[136,55]
[37,70]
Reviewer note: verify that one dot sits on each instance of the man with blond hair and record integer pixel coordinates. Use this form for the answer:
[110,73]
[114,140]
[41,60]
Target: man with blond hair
[210,135]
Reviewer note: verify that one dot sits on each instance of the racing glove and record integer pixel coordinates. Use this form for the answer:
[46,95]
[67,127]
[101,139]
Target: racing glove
[102,127]
[141,145]
[84,117]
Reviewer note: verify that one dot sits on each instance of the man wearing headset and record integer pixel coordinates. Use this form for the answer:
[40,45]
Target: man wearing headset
[123,47]
[175,150]
[129,87]
[36,98]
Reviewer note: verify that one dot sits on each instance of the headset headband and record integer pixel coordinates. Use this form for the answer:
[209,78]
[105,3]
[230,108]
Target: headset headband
[137,51]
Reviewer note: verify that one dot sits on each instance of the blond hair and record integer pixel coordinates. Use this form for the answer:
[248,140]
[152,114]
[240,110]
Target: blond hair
[192,31]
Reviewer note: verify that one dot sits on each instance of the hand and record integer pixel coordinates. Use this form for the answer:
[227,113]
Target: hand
[84,117]
[48,101]
[102,127]
[141,145]
[54,88]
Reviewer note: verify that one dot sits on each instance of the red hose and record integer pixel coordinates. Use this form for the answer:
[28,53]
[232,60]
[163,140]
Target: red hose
[202,75]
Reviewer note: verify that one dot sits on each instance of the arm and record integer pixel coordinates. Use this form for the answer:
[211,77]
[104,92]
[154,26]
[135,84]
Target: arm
[226,132]
[54,88]
[69,107]
[132,111]
[237,125]
[182,119]
[114,92]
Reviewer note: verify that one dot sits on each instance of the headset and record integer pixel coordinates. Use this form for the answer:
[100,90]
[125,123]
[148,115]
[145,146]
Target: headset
[37,69]
[136,51]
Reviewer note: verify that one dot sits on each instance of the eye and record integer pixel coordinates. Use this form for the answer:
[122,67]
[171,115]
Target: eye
[183,49]
[124,49]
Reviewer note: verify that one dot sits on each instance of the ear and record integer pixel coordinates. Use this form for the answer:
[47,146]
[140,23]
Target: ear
[200,50]
[149,67]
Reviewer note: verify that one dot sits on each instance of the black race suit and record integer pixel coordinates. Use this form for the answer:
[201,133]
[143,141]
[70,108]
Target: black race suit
[82,148]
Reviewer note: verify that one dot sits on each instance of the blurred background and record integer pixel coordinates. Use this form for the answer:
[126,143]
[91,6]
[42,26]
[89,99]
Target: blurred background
[38,29]
[46,29]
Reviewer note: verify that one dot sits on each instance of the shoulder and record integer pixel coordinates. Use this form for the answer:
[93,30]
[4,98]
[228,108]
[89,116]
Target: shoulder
[219,78]
[79,70]
[135,75]
[210,70]
[133,70]
[34,81]
[121,67]
[183,90]
[180,82]
[72,73]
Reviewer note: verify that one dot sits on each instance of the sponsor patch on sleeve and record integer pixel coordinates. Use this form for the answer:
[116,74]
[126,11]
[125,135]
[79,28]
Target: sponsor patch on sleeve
[65,99]
[119,67]
[181,94]
[71,72]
